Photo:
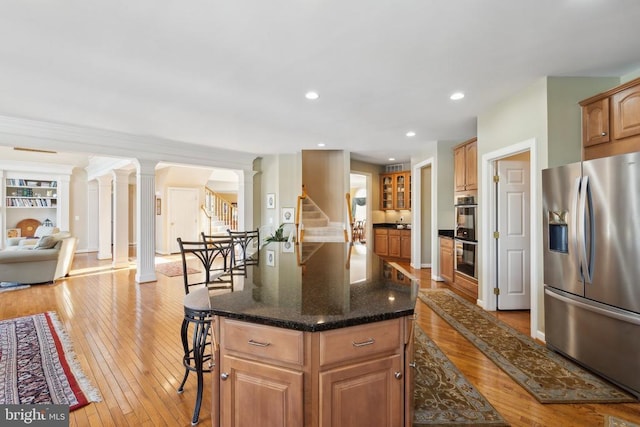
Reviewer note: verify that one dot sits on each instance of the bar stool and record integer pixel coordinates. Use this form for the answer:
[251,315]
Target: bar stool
[197,315]
[207,252]
[243,255]
[197,312]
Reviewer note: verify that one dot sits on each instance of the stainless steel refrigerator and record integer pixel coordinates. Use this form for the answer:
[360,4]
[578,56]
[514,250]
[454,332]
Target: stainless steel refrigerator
[592,265]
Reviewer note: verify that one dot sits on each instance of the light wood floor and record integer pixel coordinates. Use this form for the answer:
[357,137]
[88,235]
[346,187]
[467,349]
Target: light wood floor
[126,336]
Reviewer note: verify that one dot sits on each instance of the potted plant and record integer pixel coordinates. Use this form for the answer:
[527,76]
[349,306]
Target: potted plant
[277,236]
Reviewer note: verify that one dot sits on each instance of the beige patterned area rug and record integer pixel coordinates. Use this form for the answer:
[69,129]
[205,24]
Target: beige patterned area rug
[549,377]
[443,396]
[611,421]
[173,269]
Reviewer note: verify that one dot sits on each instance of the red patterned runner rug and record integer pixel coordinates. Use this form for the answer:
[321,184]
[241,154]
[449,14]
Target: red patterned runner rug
[38,365]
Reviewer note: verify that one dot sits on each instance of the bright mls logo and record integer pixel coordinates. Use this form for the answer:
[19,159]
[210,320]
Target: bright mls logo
[34,415]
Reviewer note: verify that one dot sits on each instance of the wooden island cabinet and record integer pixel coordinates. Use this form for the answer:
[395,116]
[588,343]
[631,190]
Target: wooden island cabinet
[293,360]
[342,377]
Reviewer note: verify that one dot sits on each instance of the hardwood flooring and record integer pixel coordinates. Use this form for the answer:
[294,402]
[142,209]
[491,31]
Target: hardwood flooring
[126,336]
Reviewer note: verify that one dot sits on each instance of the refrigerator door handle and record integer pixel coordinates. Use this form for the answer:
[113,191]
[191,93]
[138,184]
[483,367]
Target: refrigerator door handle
[592,307]
[584,259]
[574,227]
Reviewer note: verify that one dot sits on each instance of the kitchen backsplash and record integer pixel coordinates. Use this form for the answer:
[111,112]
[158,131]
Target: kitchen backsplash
[393,216]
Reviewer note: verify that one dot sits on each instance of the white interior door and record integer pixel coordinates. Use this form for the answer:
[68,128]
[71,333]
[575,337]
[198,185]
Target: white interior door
[182,205]
[513,244]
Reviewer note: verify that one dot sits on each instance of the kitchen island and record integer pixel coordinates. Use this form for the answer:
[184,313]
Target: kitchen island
[314,336]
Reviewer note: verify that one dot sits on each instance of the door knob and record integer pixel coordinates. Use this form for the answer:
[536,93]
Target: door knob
[398,375]
[224,376]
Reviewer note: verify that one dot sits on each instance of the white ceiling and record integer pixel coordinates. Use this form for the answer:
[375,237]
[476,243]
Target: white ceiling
[233,73]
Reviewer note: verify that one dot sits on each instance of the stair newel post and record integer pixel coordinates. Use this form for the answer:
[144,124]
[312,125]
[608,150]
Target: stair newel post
[350,215]
[299,231]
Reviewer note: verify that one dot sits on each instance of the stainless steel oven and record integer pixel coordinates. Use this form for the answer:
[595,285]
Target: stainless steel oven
[466,218]
[466,257]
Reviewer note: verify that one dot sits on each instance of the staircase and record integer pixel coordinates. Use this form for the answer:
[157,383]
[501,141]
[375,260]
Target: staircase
[315,225]
[306,251]
[221,214]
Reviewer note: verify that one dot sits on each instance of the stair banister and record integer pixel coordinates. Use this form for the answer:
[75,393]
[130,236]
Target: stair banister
[216,207]
[350,214]
[301,197]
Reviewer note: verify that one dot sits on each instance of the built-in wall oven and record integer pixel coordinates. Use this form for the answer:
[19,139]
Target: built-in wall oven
[466,257]
[466,244]
[466,218]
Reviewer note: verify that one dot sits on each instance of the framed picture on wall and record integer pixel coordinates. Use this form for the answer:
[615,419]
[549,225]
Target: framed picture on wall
[271,200]
[13,232]
[288,215]
[288,247]
[271,258]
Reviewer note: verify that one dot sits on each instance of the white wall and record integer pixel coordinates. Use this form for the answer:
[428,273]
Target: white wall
[280,175]
[547,112]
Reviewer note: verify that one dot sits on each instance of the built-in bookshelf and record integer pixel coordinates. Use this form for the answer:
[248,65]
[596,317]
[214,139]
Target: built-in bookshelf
[31,193]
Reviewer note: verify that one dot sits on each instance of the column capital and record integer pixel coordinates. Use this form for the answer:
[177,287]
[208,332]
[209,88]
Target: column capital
[146,166]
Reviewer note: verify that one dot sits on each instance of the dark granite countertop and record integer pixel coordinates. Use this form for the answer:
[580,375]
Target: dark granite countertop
[330,291]
[391,225]
[445,233]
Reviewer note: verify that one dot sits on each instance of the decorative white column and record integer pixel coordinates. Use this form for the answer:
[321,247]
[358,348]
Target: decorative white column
[120,218]
[245,199]
[3,226]
[104,217]
[146,221]
[63,221]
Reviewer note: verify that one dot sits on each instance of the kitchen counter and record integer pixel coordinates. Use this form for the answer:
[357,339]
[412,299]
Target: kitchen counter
[320,299]
[400,225]
[305,325]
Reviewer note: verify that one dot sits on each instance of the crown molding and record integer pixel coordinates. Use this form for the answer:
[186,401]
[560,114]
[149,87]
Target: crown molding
[43,135]
[36,167]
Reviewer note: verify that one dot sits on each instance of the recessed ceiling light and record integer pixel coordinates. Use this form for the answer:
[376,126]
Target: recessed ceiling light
[321,144]
[391,159]
[312,95]
[456,96]
[411,133]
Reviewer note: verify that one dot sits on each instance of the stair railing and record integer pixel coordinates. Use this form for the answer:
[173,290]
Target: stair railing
[350,215]
[299,229]
[217,208]
[304,197]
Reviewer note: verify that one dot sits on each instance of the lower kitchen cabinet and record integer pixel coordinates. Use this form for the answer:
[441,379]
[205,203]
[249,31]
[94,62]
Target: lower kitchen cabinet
[392,242]
[381,241]
[363,394]
[348,377]
[254,392]
[405,244]
[446,259]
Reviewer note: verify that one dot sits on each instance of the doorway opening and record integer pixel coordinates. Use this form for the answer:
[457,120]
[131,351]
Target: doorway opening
[359,208]
[489,213]
[512,223]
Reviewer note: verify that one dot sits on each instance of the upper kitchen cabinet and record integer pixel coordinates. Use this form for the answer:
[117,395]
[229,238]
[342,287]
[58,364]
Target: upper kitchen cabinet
[611,122]
[395,191]
[465,162]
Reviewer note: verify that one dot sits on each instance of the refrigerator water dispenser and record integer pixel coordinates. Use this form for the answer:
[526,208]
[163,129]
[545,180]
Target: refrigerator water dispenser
[558,232]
